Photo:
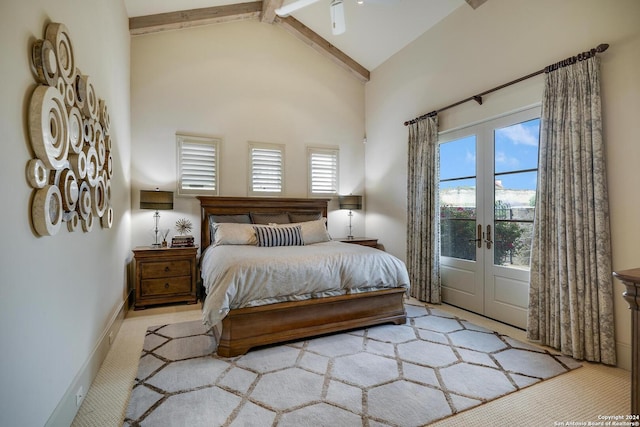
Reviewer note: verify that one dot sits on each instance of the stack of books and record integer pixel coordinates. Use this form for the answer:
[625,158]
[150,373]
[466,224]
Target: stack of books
[182,242]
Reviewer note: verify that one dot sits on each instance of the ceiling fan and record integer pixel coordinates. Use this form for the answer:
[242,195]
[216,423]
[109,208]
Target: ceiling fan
[336,9]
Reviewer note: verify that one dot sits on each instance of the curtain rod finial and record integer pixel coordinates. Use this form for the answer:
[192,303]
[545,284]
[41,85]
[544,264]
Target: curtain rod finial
[602,47]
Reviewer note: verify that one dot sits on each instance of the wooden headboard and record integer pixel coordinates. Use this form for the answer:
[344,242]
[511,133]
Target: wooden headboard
[246,205]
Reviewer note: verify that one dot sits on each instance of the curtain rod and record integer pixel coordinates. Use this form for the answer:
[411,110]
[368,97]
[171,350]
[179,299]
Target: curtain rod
[478,98]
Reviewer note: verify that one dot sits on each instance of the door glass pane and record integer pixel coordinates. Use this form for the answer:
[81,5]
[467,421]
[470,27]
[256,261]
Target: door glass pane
[515,179]
[458,158]
[457,194]
[516,147]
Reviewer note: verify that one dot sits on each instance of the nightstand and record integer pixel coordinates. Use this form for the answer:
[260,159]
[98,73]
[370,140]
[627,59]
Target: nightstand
[164,275]
[364,241]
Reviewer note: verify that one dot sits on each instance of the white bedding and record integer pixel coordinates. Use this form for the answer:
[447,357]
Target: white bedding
[237,276]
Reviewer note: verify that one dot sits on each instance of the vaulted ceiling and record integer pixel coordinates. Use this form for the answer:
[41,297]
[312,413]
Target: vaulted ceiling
[376,29]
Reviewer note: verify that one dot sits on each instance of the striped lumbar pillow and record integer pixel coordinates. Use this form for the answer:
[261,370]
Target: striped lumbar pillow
[279,236]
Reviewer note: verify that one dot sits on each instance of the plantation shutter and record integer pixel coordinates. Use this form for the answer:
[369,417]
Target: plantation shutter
[323,171]
[198,165]
[267,168]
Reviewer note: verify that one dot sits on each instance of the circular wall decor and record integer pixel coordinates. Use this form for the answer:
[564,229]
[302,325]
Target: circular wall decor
[87,224]
[108,164]
[107,219]
[89,132]
[68,184]
[59,37]
[88,94]
[76,130]
[98,198]
[93,168]
[37,173]
[104,118]
[69,128]
[84,200]
[46,210]
[72,219]
[80,90]
[78,163]
[49,126]
[43,59]
[69,95]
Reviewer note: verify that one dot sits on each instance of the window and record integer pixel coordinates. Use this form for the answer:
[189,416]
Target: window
[197,165]
[266,169]
[323,171]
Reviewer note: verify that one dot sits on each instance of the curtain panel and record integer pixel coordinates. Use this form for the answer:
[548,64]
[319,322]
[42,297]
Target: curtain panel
[571,295]
[423,218]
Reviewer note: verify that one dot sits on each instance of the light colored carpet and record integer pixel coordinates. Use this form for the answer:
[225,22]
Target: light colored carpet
[432,367]
[581,396]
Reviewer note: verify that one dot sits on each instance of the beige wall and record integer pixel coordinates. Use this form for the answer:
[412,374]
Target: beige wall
[239,81]
[58,295]
[472,51]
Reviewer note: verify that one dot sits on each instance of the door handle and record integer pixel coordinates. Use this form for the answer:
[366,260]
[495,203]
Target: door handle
[488,240]
[478,240]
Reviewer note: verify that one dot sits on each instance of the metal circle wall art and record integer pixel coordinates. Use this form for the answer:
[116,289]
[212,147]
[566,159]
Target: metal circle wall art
[69,129]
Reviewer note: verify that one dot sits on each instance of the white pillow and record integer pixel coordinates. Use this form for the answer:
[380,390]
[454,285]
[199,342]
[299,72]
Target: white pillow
[227,233]
[312,231]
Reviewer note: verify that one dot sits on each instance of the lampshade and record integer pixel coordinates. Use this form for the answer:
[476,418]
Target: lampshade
[350,202]
[157,200]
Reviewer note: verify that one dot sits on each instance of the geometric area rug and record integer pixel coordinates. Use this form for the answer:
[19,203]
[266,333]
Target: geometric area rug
[434,366]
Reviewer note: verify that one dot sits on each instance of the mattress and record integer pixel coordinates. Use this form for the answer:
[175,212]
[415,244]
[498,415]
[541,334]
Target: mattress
[238,276]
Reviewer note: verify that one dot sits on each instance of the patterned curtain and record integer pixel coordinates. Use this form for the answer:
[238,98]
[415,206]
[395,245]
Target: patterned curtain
[570,296]
[423,218]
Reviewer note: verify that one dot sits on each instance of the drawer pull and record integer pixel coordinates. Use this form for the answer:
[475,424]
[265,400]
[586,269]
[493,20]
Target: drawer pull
[166,286]
[166,268]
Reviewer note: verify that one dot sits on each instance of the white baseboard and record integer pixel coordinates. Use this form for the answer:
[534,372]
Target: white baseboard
[67,408]
[623,353]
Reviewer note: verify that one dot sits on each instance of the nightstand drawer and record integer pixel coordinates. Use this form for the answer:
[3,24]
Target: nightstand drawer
[150,270]
[172,285]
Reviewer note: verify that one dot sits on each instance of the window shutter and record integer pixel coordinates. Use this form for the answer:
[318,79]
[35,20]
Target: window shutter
[323,171]
[198,165]
[267,166]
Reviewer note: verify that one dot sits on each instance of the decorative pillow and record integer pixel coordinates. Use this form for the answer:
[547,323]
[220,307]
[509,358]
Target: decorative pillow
[279,236]
[234,234]
[312,231]
[236,219]
[304,217]
[267,218]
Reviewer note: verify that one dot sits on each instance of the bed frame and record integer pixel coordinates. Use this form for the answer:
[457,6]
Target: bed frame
[250,327]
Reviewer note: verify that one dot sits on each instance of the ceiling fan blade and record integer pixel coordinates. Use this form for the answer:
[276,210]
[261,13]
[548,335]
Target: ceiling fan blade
[337,17]
[287,9]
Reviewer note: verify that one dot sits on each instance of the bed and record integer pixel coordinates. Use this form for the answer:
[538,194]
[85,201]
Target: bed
[244,324]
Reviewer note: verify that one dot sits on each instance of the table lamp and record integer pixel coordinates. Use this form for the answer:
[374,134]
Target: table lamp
[350,202]
[158,200]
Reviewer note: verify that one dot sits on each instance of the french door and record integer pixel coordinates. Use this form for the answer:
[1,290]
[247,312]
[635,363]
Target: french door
[488,176]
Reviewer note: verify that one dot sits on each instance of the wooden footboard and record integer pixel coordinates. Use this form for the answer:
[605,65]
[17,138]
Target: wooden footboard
[245,328]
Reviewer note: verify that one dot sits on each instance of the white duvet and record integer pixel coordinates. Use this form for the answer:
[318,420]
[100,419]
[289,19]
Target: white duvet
[237,276]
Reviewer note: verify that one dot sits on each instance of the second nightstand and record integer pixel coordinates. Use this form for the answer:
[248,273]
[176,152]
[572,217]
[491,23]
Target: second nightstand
[164,275]
[364,241]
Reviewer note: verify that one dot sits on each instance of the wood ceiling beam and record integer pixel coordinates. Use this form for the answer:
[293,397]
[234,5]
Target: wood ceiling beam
[194,17]
[313,39]
[269,10]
